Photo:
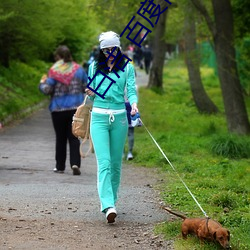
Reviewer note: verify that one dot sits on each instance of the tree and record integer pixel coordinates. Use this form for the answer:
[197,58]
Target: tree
[223,37]
[201,99]
[28,33]
[159,49]
[111,15]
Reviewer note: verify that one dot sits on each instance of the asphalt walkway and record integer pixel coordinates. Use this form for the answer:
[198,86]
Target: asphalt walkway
[31,190]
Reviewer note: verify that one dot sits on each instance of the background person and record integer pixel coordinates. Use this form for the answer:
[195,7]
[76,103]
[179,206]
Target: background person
[147,54]
[138,54]
[93,55]
[109,123]
[130,127]
[130,133]
[65,83]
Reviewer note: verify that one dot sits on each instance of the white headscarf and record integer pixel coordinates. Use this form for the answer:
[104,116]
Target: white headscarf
[109,39]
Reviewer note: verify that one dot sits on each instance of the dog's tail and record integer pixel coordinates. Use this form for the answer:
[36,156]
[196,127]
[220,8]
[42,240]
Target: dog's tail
[175,213]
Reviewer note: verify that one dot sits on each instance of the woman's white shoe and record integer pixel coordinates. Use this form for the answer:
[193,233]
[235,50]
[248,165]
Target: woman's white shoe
[111,214]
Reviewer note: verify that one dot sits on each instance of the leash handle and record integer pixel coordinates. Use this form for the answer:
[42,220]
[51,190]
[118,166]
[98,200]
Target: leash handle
[90,149]
[174,170]
[86,138]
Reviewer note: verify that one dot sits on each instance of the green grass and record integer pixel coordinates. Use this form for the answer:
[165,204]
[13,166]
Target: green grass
[214,164]
[19,87]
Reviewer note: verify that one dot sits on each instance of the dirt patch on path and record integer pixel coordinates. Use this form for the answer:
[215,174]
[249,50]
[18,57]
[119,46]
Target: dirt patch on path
[50,234]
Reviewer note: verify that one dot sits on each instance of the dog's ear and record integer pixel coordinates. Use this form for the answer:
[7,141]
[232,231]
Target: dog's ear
[228,237]
[214,235]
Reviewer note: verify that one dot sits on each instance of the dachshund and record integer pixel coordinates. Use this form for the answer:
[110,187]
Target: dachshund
[204,229]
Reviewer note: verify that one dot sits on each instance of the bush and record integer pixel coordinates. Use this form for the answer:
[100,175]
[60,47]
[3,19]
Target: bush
[224,200]
[231,146]
[19,88]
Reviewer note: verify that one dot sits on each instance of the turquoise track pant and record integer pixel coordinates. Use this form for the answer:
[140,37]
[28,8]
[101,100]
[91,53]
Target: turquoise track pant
[109,136]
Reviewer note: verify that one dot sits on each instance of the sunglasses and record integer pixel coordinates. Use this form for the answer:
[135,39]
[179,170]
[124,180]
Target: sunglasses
[109,51]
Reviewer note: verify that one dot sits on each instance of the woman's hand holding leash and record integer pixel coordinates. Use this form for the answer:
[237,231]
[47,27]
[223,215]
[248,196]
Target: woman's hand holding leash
[89,92]
[134,109]
[135,116]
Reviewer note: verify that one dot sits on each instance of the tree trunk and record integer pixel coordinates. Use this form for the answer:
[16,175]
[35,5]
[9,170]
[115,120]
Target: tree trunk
[159,51]
[233,97]
[223,37]
[201,99]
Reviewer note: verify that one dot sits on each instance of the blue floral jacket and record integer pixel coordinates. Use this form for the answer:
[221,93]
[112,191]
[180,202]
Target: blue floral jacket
[65,97]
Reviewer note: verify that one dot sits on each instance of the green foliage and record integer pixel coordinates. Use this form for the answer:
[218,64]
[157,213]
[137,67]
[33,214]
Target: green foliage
[219,183]
[116,14]
[231,146]
[41,29]
[19,87]
[242,35]
[241,17]
[170,230]
[176,18]
[243,60]
[224,200]
[210,129]
[112,15]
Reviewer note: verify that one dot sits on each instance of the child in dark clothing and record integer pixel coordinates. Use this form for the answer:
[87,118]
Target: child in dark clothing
[130,133]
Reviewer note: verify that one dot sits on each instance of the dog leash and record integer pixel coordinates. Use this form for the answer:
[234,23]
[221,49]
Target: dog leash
[174,170]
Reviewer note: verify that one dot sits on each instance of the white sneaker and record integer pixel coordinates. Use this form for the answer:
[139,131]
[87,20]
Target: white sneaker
[111,214]
[58,171]
[76,170]
[130,156]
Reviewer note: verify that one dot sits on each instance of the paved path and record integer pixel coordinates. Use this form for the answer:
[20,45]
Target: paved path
[27,160]
[26,163]
[30,192]
[141,78]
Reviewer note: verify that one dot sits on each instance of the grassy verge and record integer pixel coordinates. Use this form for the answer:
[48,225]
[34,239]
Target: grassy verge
[19,88]
[212,163]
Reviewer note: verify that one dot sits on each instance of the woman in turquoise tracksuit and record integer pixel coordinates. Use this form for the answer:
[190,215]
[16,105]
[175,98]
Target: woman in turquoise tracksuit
[109,123]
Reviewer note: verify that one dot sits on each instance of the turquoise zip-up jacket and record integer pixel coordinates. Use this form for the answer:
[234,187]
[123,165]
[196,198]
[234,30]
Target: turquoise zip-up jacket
[114,97]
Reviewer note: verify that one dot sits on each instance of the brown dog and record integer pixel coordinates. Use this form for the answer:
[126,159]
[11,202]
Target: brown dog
[204,229]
